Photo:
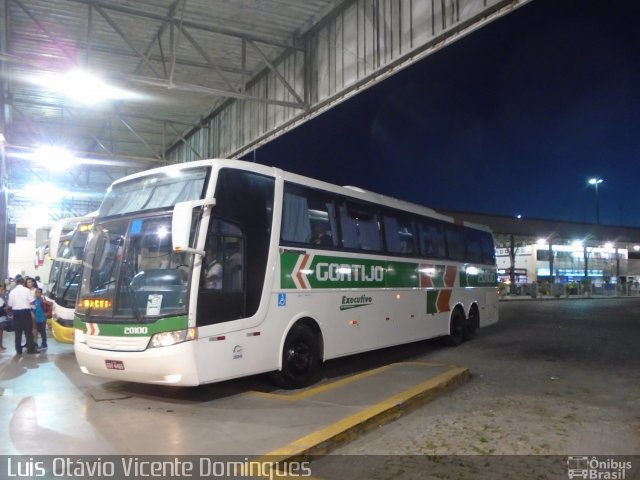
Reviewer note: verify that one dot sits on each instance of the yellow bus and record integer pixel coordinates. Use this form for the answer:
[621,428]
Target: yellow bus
[67,253]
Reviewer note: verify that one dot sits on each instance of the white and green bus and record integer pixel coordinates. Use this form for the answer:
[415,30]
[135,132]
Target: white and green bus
[217,269]
[67,253]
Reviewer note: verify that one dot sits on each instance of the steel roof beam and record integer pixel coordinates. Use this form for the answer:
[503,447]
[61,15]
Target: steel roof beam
[175,42]
[188,145]
[209,60]
[186,87]
[124,36]
[159,33]
[46,31]
[188,23]
[275,71]
[144,142]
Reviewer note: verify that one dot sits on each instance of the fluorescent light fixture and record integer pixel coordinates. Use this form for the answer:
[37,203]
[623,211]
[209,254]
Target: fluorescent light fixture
[53,157]
[608,246]
[36,217]
[577,243]
[46,192]
[83,87]
[542,242]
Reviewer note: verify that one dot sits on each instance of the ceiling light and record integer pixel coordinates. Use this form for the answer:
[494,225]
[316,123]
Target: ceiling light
[83,87]
[46,192]
[53,157]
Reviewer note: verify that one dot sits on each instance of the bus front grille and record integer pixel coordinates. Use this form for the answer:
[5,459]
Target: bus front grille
[120,344]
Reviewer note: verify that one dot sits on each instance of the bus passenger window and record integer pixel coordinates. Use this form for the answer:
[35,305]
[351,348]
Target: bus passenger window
[360,227]
[455,244]
[308,216]
[399,235]
[296,224]
[432,241]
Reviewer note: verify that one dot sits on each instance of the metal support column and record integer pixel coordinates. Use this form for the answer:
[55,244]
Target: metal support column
[4,121]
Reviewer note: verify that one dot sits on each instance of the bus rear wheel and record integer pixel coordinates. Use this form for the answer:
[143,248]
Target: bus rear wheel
[300,359]
[456,328]
[472,323]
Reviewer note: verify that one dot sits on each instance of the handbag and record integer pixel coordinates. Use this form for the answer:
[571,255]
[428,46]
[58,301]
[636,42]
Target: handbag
[48,310]
[8,325]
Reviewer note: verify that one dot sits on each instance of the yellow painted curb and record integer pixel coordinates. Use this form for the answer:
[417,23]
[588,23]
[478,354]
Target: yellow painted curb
[349,428]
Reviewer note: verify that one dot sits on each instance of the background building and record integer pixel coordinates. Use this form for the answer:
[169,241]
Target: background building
[567,253]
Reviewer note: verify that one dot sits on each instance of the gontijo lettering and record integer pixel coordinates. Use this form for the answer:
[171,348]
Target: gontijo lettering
[341,272]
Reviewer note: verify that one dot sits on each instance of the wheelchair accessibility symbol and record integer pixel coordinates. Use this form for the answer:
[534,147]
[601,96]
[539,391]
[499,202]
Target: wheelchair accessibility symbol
[282,299]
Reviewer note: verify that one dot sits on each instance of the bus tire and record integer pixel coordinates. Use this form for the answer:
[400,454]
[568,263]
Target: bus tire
[472,323]
[300,359]
[456,328]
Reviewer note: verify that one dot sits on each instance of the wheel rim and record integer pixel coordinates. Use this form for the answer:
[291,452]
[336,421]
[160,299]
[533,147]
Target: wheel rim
[299,357]
[473,320]
[456,327]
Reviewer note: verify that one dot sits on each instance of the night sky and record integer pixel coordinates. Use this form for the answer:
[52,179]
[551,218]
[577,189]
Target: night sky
[511,119]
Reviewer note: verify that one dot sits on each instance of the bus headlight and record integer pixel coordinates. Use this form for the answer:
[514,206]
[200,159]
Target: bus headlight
[166,339]
[79,336]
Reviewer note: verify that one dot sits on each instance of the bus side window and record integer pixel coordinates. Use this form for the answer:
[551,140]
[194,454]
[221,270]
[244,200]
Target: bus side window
[455,243]
[360,226]
[296,224]
[432,240]
[488,248]
[474,246]
[399,234]
[308,216]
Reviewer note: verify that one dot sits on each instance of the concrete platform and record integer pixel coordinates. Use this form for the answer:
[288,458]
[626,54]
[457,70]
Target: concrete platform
[49,407]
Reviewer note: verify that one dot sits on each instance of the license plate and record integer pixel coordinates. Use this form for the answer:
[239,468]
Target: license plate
[114,364]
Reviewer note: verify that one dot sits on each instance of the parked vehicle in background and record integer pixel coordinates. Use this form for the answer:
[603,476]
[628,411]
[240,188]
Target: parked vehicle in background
[67,253]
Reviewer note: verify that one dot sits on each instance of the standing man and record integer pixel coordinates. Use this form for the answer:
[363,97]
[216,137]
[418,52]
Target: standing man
[20,305]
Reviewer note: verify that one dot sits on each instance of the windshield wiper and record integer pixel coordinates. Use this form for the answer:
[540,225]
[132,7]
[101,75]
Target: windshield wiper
[64,294]
[130,293]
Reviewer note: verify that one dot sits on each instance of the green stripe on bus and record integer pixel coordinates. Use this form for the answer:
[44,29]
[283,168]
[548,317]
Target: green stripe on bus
[302,270]
[432,301]
[483,277]
[167,324]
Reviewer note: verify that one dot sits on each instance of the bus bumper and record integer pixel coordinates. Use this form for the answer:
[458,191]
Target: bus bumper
[61,333]
[174,365]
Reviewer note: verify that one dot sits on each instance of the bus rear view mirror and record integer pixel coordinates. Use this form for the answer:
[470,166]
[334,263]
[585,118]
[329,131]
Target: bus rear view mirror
[181,224]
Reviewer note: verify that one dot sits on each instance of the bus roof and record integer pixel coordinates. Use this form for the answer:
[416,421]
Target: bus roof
[350,191]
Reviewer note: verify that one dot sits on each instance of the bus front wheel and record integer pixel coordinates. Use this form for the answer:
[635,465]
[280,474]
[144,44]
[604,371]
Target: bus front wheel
[300,359]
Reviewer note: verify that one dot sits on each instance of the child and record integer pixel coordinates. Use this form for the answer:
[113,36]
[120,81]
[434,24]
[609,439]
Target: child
[40,304]
[3,314]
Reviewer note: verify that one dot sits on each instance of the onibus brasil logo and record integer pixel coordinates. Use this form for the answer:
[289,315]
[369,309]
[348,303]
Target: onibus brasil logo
[597,469]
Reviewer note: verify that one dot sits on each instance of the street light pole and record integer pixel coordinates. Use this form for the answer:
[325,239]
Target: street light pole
[596,182]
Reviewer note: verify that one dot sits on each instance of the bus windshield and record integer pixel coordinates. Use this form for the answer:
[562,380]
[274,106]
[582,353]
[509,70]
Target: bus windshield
[65,271]
[131,271]
[161,190]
